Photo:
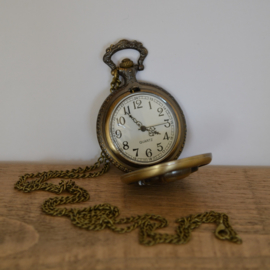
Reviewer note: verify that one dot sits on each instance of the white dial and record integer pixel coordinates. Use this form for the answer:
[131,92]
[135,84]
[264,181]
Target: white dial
[143,128]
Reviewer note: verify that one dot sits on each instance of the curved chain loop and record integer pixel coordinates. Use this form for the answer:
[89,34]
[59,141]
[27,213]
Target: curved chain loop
[40,182]
[105,216]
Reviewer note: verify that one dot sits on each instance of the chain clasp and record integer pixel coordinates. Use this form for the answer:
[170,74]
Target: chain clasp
[222,232]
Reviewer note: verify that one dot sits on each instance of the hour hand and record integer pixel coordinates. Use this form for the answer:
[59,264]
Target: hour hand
[152,131]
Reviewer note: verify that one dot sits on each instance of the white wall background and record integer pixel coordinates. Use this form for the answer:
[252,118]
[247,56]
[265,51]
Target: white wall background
[212,56]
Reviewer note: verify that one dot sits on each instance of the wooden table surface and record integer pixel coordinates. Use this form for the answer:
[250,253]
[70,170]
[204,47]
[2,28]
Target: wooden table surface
[30,239]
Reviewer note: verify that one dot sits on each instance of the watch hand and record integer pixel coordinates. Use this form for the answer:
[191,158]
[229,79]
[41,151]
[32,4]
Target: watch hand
[135,120]
[157,125]
[151,131]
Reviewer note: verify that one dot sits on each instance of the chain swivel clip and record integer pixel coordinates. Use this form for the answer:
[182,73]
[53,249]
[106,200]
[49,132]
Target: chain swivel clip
[222,233]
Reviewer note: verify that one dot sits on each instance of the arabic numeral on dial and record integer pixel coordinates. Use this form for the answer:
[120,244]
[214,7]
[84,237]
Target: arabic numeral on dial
[160,111]
[127,111]
[166,137]
[159,147]
[125,145]
[148,152]
[121,121]
[137,150]
[137,104]
[167,124]
[118,133]
[150,105]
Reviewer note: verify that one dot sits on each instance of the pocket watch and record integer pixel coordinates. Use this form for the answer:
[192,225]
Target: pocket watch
[141,129]
[140,126]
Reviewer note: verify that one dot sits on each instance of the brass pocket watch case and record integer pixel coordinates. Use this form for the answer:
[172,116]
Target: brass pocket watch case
[141,127]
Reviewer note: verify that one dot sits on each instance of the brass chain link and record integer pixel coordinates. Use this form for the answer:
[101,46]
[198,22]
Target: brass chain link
[102,216]
[115,81]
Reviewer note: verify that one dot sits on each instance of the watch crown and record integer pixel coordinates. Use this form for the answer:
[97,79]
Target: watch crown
[126,63]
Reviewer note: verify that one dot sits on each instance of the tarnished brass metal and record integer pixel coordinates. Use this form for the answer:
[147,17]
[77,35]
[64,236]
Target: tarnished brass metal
[115,81]
[129,85]
[125,44]
[106,216]
[126,63]
[168,171]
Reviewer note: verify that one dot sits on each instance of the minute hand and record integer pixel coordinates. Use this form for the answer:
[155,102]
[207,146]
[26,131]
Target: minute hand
[135,120]
[157,125]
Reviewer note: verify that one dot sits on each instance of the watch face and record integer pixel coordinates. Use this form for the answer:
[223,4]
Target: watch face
[143,128]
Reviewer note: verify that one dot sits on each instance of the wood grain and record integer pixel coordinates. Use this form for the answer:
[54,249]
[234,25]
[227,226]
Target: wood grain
[29,239]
